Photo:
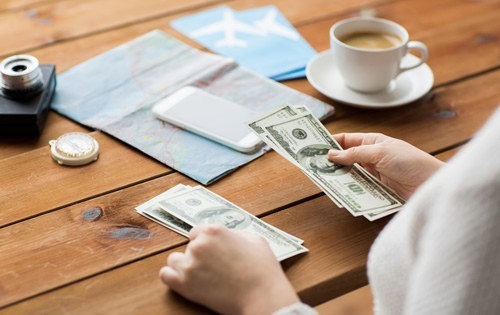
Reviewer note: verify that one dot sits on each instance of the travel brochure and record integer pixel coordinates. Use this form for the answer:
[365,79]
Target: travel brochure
[260,39]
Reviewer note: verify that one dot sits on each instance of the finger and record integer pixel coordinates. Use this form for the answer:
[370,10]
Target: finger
[195,232]
[369,154]
[349,140]
[170,277]
[207,229]
[176,260]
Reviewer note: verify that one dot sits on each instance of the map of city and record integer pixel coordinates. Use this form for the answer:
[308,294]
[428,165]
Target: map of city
[115,91]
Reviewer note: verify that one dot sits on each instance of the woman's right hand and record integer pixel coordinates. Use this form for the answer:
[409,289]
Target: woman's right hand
[396,163]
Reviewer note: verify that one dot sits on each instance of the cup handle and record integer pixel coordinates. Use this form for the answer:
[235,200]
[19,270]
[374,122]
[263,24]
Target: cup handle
[423,50]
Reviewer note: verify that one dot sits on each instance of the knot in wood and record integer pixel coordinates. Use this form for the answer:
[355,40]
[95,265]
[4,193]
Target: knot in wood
[445,113]
[92,214]
[130,232]
[485,39]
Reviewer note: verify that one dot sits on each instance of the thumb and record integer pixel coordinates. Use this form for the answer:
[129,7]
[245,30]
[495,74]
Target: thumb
[170,277]
[367,154]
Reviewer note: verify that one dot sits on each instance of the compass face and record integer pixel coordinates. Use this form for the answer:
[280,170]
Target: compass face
[74,148]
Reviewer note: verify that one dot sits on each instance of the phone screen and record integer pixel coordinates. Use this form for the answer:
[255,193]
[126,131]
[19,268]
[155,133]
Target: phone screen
[212,114]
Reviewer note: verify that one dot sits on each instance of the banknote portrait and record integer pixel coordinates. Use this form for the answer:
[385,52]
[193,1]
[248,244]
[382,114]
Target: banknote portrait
[315,158]
[230,217]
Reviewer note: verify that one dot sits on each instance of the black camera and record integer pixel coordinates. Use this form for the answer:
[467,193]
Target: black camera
[26,90]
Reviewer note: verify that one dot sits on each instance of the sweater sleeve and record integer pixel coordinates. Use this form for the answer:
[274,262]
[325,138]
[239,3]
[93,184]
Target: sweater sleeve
[441,253]
[457,263]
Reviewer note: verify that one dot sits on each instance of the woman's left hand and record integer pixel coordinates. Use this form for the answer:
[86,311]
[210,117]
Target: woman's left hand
[229,271]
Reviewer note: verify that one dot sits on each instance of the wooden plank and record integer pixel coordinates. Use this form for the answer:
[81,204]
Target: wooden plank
[119,235]
[7,5]
[37,255]
[95,244]
[32,183]
[440,107]
[69,53]
[54,22]
[338,245]
[451,115]
[357,302]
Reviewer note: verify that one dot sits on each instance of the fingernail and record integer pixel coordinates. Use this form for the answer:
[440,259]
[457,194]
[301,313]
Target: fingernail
[333,153]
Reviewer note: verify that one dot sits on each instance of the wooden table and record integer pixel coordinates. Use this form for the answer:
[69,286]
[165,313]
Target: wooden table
[70,240]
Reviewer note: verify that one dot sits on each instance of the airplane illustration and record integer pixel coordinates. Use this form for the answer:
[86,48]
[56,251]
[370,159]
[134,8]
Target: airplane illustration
[270,25]
[229,26]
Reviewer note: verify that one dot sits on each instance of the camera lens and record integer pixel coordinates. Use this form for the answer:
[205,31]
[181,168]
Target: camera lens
[21,76]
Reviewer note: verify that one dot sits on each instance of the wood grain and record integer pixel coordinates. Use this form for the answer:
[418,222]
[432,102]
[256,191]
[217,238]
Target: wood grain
[431,124]
[338,245]
[447,155]
[357,302]
[33,183]
[53,22]
[31,256]
[118,235]
[70,239]
[9,5]
[69,53]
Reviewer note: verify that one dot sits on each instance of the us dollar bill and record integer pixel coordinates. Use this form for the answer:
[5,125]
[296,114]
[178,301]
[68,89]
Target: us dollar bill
[281,115]
[198,205]
[305,141]
[160,216]
[152,211]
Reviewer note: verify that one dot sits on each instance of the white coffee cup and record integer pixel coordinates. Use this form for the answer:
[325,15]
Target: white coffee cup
[371,70]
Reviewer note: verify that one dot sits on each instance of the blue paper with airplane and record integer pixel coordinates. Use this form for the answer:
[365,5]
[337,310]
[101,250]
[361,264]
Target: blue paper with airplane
[260,39]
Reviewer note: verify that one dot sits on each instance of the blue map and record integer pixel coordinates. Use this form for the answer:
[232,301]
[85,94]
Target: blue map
[138,74]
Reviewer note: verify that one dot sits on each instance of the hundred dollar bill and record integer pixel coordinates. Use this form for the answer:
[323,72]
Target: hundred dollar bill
[283,114]
[306,141]
[160,216]
[198,205]
[280,115]
[372,216]
[152,211]
[271,117]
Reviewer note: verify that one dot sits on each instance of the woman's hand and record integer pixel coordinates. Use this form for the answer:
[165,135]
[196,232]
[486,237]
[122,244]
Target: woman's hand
[396,163]
[229,271]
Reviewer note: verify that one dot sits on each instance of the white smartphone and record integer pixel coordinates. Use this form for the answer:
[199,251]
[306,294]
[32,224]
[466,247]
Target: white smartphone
[210,116]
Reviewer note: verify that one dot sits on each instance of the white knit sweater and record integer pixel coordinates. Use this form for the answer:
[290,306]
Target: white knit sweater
[441,253]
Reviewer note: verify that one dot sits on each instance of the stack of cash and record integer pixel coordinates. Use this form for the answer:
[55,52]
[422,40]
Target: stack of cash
[182,207]
[297,135]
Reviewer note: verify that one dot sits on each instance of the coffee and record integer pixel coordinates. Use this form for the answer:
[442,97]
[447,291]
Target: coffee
[371,40]
[368,51]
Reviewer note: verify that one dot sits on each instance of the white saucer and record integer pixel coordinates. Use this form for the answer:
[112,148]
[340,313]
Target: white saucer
[407,87]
